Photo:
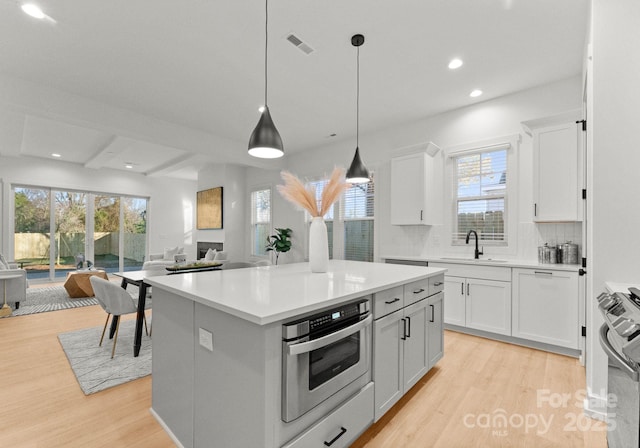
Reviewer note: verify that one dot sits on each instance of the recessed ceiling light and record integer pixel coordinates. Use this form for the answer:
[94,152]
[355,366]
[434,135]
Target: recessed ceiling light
[261,109]
[55,154]
[33,10]
[128,165]
[455,63]
[475,93]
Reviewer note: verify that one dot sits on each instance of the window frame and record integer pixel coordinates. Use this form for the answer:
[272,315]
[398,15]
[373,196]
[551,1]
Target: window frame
[511,144]
[253,224]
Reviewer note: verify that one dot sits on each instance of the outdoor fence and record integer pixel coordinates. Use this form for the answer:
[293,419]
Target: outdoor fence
[37,245]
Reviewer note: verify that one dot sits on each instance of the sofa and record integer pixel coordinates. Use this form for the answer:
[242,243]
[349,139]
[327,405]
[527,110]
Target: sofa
[169,257]
[16,287]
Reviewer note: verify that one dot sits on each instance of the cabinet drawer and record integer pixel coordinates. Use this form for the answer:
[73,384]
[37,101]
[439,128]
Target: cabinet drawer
[342,426]
[436,284]
[387,301]
[415,291]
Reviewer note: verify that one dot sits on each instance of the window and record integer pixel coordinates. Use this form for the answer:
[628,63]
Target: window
[480,192]
[357,213]
[54,230]
[260,221]
[354,230]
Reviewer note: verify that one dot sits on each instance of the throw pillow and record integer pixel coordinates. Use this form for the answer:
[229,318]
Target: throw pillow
[210,255]
[169,252]
[3,263]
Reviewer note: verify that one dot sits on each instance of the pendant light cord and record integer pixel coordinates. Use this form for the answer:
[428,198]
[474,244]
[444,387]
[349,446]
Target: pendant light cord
[266,46]
[358,99]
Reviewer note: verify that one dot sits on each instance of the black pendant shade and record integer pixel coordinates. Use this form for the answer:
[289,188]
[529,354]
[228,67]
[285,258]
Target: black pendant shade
[357,172]
[265,141]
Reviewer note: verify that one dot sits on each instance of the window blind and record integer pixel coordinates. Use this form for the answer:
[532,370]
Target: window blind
[480,179]
[260,220]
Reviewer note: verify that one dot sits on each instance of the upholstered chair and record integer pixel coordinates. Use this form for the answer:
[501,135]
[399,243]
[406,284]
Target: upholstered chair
[16,287]
[115,301]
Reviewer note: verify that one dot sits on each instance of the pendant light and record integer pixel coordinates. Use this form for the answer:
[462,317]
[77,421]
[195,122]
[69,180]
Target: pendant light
[265,141]
[358,173]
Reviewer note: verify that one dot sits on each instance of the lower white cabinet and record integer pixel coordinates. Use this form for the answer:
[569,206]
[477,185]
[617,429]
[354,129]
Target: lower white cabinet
[341,427]
[477,297]
[488,305]
[435,336]
[478,303]
[546,306]
[400,353]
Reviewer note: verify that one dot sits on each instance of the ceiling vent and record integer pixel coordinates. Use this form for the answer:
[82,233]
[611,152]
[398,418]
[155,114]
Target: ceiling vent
[298,43]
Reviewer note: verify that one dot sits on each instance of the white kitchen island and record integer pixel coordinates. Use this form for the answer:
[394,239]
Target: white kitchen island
[217,349]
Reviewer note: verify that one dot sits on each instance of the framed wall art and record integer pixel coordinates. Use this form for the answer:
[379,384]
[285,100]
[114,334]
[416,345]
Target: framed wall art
[209,209]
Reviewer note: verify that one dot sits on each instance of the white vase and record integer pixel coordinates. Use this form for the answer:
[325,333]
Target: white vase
[318,246]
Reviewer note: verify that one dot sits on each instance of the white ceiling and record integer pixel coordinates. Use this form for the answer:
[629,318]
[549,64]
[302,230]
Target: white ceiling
[198,65]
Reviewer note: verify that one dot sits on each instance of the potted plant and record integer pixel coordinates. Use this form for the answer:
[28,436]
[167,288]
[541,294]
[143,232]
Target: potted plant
[280,242]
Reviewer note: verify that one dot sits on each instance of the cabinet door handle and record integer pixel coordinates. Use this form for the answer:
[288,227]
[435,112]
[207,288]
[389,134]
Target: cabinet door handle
[535,209]
[467,288]
[404,329]
[437,284]
[433,316]
[332,441]
[418,291]
[421,215]
[389,302]
[462,288]
[542,273]
[408,327]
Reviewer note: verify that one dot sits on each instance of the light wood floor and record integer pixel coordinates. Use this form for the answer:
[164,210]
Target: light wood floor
[41,404]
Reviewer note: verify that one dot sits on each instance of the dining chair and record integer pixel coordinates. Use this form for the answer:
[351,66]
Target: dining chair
[115,301]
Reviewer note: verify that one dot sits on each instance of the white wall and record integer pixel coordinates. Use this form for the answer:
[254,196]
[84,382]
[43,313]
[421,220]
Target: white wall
[613,160]
[481,121]
[171,210]
[235,199]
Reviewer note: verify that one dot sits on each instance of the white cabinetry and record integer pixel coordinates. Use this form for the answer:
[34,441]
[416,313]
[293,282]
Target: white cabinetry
[402,349]
[435,336]
[546,306]
[416,187]
[558,170]
[478,297]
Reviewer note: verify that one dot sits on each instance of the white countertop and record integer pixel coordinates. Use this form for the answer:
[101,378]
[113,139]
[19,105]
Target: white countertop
[268,294]
[487,261]
[619,287]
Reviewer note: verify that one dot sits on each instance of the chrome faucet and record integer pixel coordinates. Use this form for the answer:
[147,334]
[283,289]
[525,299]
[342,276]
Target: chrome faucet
[476,253]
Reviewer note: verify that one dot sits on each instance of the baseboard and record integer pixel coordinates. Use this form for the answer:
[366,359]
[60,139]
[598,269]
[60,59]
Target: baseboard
[166,428]
[517,341]
[595,406]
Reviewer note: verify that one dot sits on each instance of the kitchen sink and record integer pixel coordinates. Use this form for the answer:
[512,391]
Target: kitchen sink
[491,260]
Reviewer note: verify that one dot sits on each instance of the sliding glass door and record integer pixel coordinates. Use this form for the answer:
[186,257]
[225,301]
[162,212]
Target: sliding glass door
[108,231]
[70,231]
[32,227]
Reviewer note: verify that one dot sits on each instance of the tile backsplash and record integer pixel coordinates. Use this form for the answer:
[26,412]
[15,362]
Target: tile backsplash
[559,233]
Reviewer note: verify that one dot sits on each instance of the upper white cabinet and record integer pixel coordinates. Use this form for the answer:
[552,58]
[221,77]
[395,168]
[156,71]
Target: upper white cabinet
[416,186]
[558,167]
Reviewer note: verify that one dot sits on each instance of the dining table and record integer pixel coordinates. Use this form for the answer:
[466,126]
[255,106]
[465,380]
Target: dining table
[137,278]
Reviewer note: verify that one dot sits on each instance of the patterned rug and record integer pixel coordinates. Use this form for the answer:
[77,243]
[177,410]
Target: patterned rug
[92,364]
[50,298]
[54,298]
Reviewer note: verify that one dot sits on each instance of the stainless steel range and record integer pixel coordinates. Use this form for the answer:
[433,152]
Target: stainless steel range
[620,339]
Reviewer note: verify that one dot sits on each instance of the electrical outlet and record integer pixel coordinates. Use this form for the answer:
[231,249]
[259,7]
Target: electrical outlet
[206,339]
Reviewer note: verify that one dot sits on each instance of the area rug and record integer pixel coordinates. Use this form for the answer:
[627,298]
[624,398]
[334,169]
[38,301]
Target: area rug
[54,298]
[92,364]
[50,298]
